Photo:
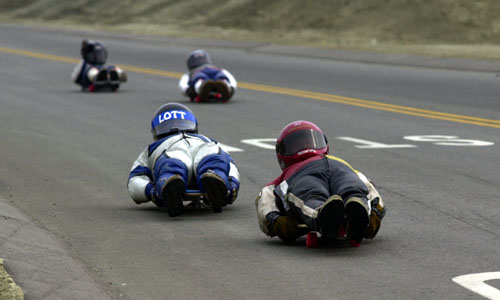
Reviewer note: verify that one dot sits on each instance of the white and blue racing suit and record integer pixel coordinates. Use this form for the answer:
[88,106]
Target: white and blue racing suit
[190,82]
[186,154]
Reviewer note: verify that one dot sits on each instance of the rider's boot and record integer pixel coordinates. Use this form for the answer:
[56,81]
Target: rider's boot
[102,76]
[357,212]
[216,190]
[205,89]
[222,87]
[172,190]
[330,217]
[113,75]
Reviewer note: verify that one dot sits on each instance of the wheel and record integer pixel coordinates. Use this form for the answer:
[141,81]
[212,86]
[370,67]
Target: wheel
[312,240]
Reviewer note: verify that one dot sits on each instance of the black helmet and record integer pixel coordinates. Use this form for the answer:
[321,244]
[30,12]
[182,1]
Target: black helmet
[198,58]
[94,52]
[172,118]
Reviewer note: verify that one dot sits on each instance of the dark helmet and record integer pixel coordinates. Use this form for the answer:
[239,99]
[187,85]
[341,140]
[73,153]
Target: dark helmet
[94,52]
[298,141]
[172,118]
[198,58]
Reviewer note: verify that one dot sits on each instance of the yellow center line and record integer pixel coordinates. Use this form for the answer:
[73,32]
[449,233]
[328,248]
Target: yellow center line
[151,71]
[412,111]
[39,55]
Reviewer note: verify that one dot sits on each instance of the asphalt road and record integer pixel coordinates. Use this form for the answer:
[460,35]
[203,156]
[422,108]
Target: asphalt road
[429,138]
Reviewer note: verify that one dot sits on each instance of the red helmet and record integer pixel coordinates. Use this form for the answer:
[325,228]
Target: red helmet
[298,141]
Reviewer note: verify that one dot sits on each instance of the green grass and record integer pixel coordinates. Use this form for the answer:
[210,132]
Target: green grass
[445,27]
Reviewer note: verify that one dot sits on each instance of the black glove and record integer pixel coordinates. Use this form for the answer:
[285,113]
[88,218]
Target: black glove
[286,228]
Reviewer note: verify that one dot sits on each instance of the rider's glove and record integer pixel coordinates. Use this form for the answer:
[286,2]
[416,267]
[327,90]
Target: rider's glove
[376,216]
[286,228]
[234,186]
[152,195]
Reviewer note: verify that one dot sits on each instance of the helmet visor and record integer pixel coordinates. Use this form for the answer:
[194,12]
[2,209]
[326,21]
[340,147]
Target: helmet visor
[301,140]
[174,121]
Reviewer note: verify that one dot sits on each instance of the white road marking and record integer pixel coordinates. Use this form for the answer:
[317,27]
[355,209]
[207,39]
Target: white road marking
[228,148]
[374,145]
[475,283]
[261,143]
[447,140]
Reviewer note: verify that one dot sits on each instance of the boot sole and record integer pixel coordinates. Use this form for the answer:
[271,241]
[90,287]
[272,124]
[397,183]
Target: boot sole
[172,197]
[207,88]
[357,221]
[333,217]
[216,192]
[102,77]
[222,88]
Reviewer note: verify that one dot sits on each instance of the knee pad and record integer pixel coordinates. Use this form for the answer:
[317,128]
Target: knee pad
[165,167]
[217,163]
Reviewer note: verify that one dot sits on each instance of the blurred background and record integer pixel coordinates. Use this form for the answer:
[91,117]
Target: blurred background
[446,28]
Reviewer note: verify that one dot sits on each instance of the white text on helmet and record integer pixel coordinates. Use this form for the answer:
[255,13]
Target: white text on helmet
[171,115]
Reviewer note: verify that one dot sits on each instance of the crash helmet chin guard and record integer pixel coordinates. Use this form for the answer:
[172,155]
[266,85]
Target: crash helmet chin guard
[299,141]
[172,118]
[198,58]
[94,52]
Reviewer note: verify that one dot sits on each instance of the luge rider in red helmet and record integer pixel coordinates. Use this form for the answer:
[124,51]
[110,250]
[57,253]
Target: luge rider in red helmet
[316,189]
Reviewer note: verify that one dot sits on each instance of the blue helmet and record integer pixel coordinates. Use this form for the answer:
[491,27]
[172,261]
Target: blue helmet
[198,58]
[172,118]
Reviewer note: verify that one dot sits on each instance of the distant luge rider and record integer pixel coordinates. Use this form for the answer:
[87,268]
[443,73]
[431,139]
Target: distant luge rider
[204,81]
[91,70]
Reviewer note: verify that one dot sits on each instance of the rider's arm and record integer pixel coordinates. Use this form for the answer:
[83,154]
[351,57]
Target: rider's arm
[267,211]
[234,181]
[184,84]
[232,81]
[372,191]
[377,207]
[140,185]
[77,72]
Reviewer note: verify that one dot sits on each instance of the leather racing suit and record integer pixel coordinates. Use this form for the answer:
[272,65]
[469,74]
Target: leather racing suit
[189,155]
[312,182]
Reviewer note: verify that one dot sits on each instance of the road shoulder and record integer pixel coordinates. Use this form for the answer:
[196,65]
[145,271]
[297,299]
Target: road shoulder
[40,264]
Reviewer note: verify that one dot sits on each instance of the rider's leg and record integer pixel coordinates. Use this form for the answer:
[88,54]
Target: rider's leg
[310,198]
[212,169]
[171,176]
